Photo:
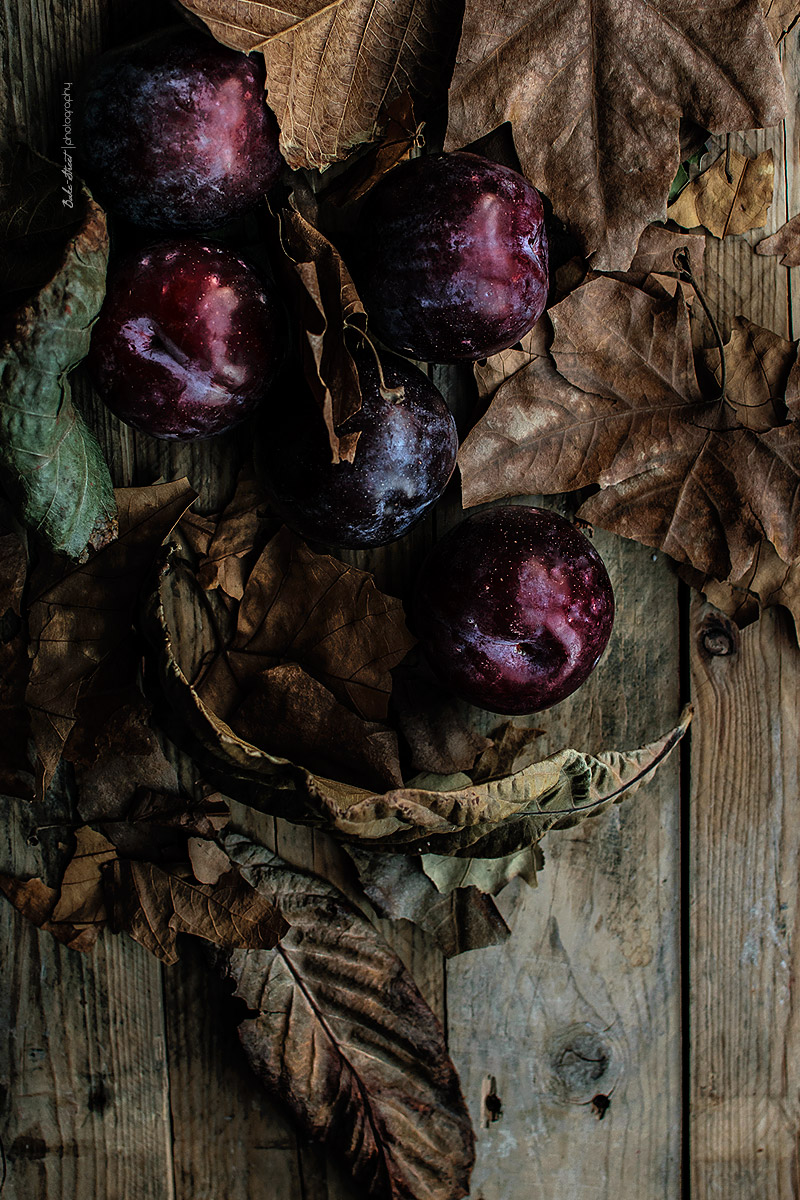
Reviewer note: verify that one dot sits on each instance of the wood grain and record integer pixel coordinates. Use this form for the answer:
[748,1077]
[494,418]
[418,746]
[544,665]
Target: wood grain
[745,950]
[584,999]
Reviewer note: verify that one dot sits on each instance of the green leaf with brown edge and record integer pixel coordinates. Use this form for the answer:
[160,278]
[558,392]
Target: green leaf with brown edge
[344,1037]
[52,465]
[595,92]
[154,905]
[333,65]
[80,616]
[445,816]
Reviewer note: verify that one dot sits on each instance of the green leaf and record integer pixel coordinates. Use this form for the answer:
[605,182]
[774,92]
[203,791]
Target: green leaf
[51,464]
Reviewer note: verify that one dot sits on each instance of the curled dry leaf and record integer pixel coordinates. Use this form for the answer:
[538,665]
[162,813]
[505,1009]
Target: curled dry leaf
[401,134]
[447,815]
[618,404]
[80,617]
[80,900]
[342,1035]
[52,466]
[226,557]
[154,905]
[600,139]
[333,67]
[398,888]
[785,243]
[16,772]
[726,204]
[326,305]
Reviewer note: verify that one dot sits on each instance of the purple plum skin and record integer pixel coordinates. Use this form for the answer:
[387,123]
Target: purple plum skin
[175,134]
[405,455]
[514,608]
[452,263]
[188,341]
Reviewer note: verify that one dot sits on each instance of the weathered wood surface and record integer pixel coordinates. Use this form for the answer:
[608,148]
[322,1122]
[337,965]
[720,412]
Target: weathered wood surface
[120,1079]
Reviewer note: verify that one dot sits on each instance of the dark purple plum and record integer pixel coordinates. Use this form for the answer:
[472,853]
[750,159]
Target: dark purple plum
[452,257]
[514,608]
[405,455]
[174,132]
[188,340]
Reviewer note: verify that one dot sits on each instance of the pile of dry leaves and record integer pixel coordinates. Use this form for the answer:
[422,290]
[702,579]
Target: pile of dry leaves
[130,625]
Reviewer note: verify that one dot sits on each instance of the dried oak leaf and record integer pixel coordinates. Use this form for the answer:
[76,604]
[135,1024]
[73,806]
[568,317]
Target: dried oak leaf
[786,243]
[35,901]
[343,1036]
[154,905]
[597,134]
[81,616]
[619,405]
[16,771]
[398,888]
[728,205]
[326,305]
[52,465]
[333,67]
[313,610]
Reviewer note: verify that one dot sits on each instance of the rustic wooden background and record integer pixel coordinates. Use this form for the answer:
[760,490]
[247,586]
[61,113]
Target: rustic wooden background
[653,966]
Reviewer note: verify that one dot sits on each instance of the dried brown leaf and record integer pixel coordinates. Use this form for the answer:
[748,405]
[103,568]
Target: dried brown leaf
[401,134]
[209,861]
[398,888]
[325,304]
[344,1037]
[486,874]
[619,405]
[332,67]
[435,724]
[785,243]
[291,714]
[599,137]
[758,364]
[726,206]
[155,905]
[769,581]
[781,16]
[81,901]
[313,610]
[35,901]
[80,616]
[225,562]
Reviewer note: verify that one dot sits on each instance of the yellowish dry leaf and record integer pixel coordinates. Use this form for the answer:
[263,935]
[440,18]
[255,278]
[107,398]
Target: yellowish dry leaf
[725,206]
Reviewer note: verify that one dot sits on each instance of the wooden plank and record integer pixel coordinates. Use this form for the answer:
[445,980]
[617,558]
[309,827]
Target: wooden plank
[745,948]
[584,999]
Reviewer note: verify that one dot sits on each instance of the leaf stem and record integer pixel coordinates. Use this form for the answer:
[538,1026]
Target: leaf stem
[683,265]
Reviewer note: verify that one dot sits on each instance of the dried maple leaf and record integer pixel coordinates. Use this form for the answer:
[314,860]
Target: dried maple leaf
[154,905]
[53,467]
[785,243]
[16,772]
[81,616]
[726,205]
[619,405]
[768,581]
[333,67]
[313,610]
[344,1037]
[758,365]
[598,135]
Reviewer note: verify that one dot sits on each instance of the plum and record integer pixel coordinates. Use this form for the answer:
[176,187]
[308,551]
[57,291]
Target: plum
[405,455]
[188,340]
[514,608]
[452,257]
[174,132]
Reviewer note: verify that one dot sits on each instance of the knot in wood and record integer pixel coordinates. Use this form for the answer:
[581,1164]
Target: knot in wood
[579,1061]
[719,637]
